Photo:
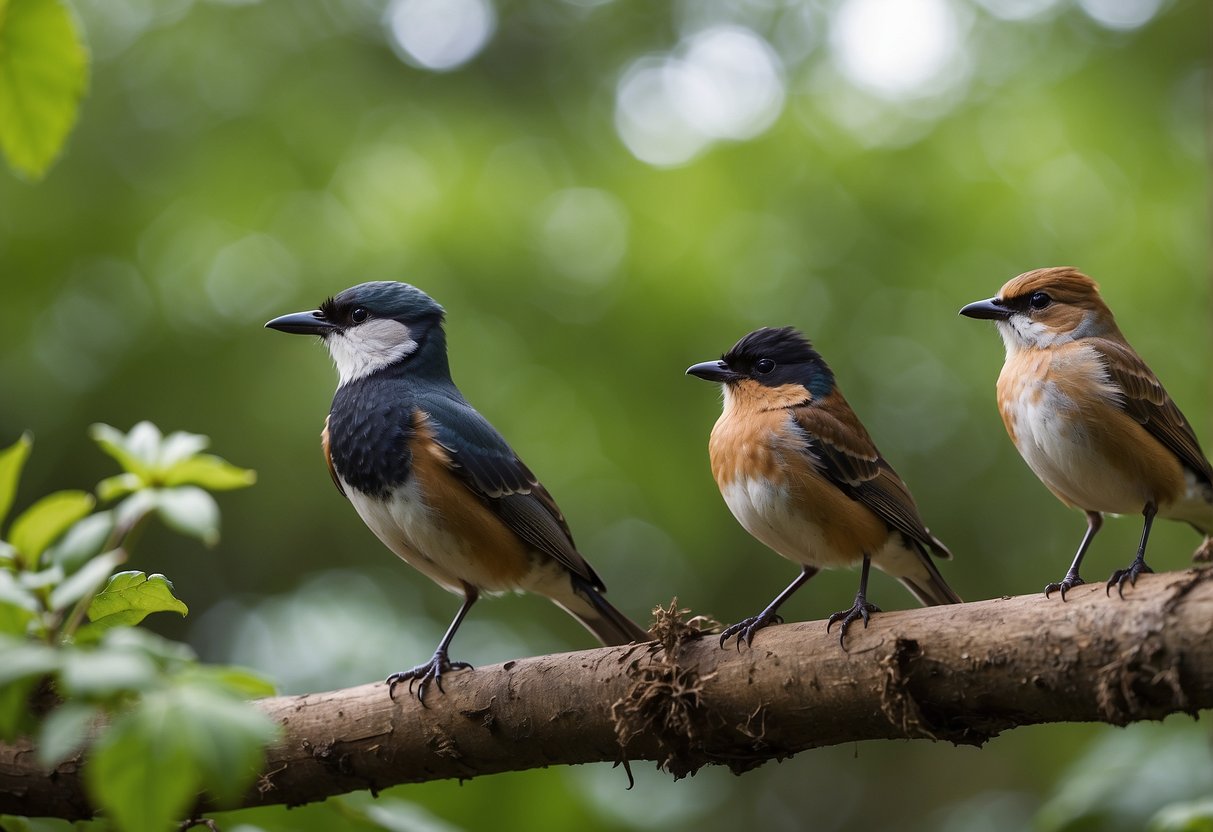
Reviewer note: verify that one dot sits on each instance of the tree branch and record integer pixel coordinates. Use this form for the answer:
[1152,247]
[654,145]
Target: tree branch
[959,673]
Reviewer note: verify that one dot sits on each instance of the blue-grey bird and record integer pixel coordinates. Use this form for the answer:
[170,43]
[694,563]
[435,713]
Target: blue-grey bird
[435,482]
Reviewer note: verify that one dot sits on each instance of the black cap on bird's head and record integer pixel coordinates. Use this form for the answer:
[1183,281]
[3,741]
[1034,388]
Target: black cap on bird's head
[772,357]
[379,299]
[373,325]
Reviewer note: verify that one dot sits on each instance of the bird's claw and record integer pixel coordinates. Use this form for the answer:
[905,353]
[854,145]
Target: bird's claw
[746,628]
[860,609]
[423,674]
[1120,576]
[1070,581]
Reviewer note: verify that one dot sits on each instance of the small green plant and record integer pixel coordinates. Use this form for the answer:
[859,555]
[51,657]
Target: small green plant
[75,670]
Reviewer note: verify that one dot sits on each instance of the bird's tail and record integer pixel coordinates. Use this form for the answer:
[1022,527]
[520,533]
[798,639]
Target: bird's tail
[596,614]
[927,585]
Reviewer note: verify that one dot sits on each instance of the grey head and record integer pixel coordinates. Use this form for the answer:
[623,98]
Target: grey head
[375,325]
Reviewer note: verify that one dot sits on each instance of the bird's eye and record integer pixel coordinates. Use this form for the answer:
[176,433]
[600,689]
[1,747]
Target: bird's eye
[1039,300]
[359,315]
[764,365]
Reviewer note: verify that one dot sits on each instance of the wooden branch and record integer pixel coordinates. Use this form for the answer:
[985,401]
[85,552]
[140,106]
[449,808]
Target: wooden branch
[960,673]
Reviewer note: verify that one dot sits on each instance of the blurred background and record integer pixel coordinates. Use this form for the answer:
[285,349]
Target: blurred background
[601,193]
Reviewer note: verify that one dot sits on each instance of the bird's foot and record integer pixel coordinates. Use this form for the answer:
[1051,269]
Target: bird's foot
[423,674]
[745,629]
[860,609]
[1070,581]
[1204,552]
[1122,576]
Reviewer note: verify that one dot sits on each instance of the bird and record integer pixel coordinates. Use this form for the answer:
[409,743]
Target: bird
[1090,418]
[801,474]
[432,478]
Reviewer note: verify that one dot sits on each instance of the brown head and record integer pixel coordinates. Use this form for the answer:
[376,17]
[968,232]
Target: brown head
[1046,308]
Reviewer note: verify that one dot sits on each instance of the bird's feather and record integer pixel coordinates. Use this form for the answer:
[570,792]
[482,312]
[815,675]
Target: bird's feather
[844,453]
[486,464]
[1147,402]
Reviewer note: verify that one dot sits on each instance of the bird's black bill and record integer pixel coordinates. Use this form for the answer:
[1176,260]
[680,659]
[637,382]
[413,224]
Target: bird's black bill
[988,310]
[712,371]
[302,323]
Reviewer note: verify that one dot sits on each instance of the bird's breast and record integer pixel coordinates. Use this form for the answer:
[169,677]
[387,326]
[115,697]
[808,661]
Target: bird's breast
[369,429]
[401,482]
[1062,412]
[770,484]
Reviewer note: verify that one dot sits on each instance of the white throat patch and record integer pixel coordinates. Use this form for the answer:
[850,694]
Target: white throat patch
[365,348]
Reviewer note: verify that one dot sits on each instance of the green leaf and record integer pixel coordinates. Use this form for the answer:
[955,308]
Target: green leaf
[128,512]
[14,593]
[42,78]
[82,541]
[129,597]
[12,460]
[16,719]
[1194,816]
[89,579]
[41,524]
[179,446]
[191,511]
[141,771]
[228,738]
[238,681]
[211,472]
[118,445]
[106,672]
[119,485]
[64,732]
[161,650]
[23,659]
[148,768]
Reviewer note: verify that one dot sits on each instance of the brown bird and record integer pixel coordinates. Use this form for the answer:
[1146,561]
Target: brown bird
[800,473]
[1090,418]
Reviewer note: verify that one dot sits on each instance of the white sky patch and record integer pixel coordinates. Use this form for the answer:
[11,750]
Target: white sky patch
[1121,14]
[896,48]
[439,34]
[723,83]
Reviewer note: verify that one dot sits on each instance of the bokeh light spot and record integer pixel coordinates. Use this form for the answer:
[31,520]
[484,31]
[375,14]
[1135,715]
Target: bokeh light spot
[1121,14]
[896,48]
[725,82]
[440,34]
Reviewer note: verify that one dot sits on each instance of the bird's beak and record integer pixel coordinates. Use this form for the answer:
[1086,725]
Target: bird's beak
[989,310]
[712,371]
[303,323]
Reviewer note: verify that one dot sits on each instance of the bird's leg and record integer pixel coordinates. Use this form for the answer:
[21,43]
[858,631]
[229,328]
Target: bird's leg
[860,609]
[1139,563]
[1204,552]
[745,629]
[1071,580]
[423,674]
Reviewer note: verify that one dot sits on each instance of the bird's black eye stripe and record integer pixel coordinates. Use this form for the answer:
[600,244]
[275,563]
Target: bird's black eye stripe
[764,365]
[359,315]
[1039,300]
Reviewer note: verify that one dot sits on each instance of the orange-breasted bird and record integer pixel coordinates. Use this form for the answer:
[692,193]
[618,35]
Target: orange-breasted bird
[431,477]
[800,473]
[1089,417]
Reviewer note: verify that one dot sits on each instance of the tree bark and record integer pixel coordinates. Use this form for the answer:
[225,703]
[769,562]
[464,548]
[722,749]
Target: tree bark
[961,674]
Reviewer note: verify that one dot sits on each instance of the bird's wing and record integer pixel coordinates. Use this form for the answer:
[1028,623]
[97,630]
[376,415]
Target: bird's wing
[488,466]
[842,451]
[328,458]
[1147,402]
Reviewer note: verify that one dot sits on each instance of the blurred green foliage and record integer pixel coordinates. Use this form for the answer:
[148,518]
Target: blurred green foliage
[234,161]
[74,672]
